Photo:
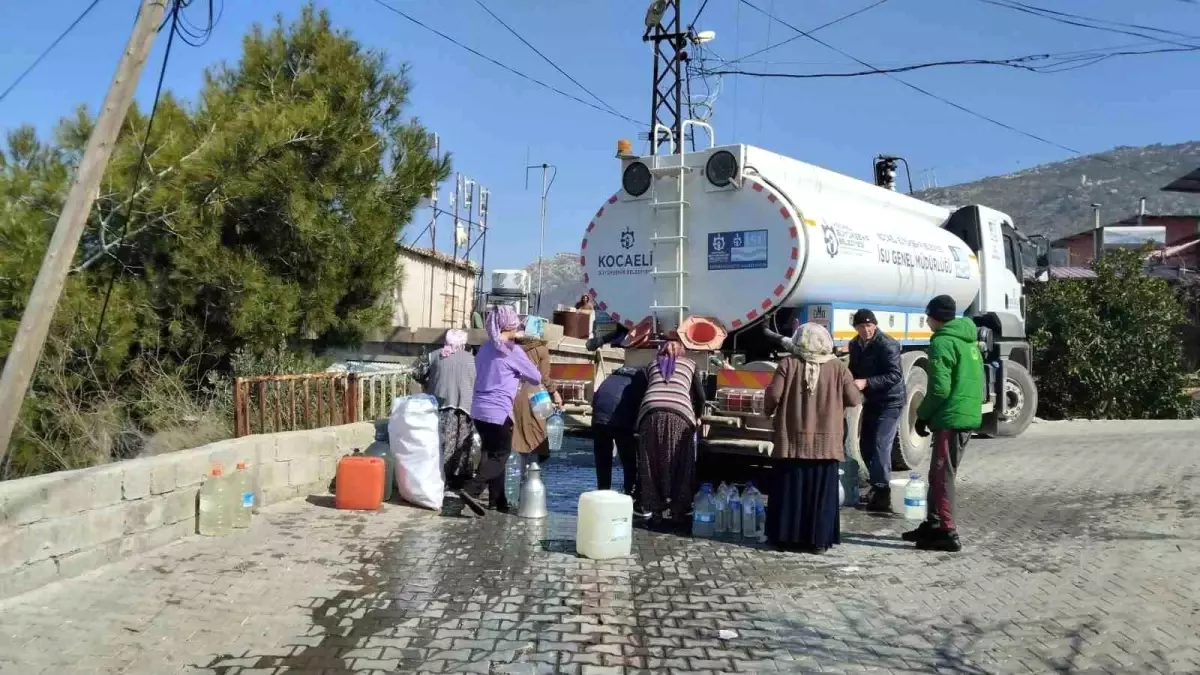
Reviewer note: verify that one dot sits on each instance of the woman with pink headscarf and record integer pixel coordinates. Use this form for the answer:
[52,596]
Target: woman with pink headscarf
[448,374]
[500,367]
[671,408]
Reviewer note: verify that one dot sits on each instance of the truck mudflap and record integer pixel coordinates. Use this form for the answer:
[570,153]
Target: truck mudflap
[995,374]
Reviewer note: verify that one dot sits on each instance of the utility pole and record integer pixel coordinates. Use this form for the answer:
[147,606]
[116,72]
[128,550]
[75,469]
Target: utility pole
[664,28]
[1097,235]
[35,321]
[546,172]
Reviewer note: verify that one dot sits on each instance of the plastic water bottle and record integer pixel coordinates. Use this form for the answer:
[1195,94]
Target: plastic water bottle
[722,499]
[735,512]
[244,483]
[215,519]
[914,498]
[512,478]
[750,503]
[703,515]
[841,488]
[543,407]
[554,431]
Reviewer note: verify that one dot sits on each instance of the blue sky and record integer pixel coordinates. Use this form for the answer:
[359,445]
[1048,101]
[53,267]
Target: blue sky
[492,120]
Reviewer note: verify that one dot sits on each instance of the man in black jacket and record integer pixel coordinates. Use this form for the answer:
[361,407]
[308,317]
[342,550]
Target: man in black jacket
[614,421]
[875,364]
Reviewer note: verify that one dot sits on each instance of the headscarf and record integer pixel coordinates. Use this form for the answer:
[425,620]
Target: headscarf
[667,354]
[455,341]
[499,319]
[814,347]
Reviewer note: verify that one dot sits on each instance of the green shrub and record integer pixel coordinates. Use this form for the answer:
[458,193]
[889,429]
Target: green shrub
[1109,348]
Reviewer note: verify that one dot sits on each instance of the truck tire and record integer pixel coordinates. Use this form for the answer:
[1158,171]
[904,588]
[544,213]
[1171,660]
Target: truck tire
[852,447]
[1021,401]
[911,452]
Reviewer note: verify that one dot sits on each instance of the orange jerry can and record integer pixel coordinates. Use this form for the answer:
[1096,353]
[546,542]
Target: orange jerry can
[359,483]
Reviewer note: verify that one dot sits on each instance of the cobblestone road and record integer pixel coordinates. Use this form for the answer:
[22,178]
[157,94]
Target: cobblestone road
[1082,556]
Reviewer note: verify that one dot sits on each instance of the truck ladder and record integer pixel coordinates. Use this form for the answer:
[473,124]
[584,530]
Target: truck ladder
[669,283]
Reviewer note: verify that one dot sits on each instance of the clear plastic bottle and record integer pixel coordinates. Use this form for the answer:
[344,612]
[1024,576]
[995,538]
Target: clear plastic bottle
[722,523]
[735,513]
[555,428]
[750,503]
[914,498]
[542,405]
[703,515]
[243,488]
[215,519]
[512,479]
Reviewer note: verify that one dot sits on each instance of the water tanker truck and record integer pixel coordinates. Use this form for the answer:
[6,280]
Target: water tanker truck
[753,240]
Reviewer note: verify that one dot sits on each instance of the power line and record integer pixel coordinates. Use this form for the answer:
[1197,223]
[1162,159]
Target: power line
[46,52]
[1055,64]
[498,64]
[1081,21]
[547,59]
[920,90]
[823,26]
[699,12]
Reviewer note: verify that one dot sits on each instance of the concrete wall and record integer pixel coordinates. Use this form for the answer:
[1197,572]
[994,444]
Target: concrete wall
[62,524]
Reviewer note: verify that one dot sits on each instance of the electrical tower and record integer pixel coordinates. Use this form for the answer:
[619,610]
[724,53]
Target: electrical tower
[664,27]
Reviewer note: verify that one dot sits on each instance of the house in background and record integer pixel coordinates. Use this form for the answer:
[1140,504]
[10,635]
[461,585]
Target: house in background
[1175,237]
[435,290]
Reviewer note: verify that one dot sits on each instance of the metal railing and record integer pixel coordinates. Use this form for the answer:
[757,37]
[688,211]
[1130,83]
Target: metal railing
[272,403]
[372,393]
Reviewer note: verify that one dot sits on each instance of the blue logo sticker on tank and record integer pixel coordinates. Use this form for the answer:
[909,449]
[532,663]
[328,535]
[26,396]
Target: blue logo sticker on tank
[737,250]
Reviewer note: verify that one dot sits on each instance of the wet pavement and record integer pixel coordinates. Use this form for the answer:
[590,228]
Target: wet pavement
[1082,550]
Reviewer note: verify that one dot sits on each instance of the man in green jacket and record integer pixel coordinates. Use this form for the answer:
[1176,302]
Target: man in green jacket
[952,410]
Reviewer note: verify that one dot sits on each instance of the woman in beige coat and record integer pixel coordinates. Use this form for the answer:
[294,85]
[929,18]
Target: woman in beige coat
[808,397]
[529,431]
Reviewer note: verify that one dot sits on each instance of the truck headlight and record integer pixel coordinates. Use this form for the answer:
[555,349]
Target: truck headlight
[636,179]
[721,168]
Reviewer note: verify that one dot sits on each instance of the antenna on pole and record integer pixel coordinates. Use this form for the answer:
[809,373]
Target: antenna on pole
[549,171]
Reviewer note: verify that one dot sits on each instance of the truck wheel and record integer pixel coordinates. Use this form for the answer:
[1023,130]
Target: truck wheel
[1020,401]
[911,451]
[852,447]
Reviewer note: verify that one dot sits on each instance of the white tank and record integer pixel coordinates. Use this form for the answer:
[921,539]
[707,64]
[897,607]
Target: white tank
[790,235]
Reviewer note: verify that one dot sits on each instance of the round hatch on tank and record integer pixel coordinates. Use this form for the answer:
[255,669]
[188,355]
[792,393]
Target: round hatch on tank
[721,168]
[636,179]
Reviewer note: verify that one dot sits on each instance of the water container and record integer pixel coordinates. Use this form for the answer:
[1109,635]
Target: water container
[750,505]
[704,515]
[554,431]
[541,403]
[735,513]
[604,527]
[383,450]
[216,495]
[243,482]
[359,485]
[842,487]
[535,326]
[722,526]
[914,498]
[512,478]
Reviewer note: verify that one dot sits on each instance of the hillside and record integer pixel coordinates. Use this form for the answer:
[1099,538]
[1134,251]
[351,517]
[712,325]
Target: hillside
[563,282]
[1056,199]
[1051,199]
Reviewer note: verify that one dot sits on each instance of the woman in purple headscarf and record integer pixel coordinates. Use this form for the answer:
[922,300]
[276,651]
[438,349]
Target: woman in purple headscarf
[500,367]
[671,408]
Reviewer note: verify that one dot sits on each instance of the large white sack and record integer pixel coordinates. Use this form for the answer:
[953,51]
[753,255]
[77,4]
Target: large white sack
[413,436]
